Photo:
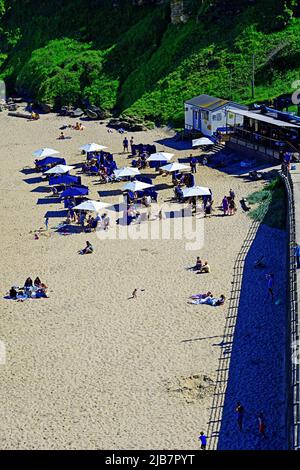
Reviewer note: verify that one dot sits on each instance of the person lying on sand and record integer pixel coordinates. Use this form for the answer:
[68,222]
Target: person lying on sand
[201,296]
[213,301]
[88,249]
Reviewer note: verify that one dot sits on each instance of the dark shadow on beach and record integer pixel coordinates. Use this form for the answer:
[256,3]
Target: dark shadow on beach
[41,189]
[36,180]
[68,229]
[50,200]
[110,192]
[229,161]
[56,214]
[255,348]
[172,143]
[28,171]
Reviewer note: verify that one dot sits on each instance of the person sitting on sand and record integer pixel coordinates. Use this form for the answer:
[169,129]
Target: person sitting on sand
[37,282]
[62,136]
[205,268]
[198,264]
[35,116]
[213,301]
[105,221]
[28,282]
[88,249]
[41,292]
[146,200]
[13,293]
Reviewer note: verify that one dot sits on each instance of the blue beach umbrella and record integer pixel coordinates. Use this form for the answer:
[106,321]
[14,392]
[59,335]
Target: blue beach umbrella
[51,161]
[65,179]
[75,191]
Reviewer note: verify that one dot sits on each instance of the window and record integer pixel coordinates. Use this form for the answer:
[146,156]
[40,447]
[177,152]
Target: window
[205,115]
[217,117]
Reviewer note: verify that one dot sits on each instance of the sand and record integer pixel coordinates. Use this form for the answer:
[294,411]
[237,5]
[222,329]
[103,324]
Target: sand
[88,368]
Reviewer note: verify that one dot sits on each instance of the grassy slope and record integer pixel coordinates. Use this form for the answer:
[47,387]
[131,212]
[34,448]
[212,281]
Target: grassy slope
[133,60]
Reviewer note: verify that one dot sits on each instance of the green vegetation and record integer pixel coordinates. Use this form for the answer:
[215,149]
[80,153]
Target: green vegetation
[270,204]
[132,60]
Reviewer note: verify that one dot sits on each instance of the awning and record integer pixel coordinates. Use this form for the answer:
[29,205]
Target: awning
[260,117]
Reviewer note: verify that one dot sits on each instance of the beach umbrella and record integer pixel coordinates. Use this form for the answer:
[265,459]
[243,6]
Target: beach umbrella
[51,160]
[202,141]
[136,186]
[45,152]
[90,205]
[174,167]
[126,172]
[196,191]
[75,191]
[160,156]
[65,179]
[92,147]
[59,170]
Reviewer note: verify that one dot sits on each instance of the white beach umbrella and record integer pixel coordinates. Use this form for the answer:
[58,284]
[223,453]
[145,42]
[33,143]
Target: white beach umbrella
[126,171]
[160,156]
[90,205]
[45,152]
[196,191]
[136,186]
[92,147]
[59,170]
[176,166]
[202,141]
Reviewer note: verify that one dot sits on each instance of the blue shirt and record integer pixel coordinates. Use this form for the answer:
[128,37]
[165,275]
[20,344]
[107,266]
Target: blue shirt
[203,440]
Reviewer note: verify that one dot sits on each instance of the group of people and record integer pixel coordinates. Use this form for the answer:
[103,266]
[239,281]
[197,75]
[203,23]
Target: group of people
[240,411]
[201,267]
[31,289]
[228,204]
[88,222]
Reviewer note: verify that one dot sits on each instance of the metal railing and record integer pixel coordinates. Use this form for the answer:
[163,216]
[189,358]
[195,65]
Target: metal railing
[266,145]
[292,354]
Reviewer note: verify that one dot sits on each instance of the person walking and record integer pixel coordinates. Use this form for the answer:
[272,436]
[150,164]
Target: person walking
[225,205]
[232,194]
[125,145]
[202,438]
[46,223]
[193,164]
[270,284]
[131,145]
[261,425]
[240,415]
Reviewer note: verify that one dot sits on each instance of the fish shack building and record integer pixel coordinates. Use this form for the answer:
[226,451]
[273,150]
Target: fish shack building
[207,114]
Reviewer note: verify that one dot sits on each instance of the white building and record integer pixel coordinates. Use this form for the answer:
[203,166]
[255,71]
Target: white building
[207,114]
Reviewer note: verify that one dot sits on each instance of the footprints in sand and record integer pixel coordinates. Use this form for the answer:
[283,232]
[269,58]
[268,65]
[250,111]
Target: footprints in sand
[192,388]
[150,252]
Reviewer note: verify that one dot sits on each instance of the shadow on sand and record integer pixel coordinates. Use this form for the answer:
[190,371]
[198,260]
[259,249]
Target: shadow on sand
[252,356]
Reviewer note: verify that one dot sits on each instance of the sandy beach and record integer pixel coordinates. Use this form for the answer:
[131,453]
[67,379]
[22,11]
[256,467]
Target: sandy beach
[88,368]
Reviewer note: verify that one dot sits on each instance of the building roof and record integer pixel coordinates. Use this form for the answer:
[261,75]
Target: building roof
[211,102]
[261,117]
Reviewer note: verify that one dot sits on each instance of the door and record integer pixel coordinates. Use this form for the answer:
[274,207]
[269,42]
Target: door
[197,120]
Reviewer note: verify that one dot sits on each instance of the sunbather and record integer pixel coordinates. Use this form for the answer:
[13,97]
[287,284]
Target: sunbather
[88,249]
[28,282]
[205,268]
[201,296]
[13,293]
[37,282]
[209,300]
